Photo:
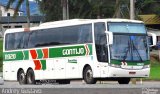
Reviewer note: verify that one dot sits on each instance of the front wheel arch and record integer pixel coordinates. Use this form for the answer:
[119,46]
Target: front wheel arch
[87,65]
[88,75]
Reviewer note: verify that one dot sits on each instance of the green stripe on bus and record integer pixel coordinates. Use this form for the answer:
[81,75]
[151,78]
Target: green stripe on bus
[9,56]
[26,53]
[17,55]
[118,62]
[80,50]
[90,48]
[69,51]
[43,63]
[40,53]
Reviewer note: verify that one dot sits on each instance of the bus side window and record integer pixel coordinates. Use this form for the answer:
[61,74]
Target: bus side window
[85,34]
[31,39]
[18,40]
[10,41]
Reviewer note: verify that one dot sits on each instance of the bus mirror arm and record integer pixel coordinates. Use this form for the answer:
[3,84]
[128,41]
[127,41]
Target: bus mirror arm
[109,37]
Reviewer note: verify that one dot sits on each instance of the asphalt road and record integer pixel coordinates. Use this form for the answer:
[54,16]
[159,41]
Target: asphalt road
[81,84]
[79,87]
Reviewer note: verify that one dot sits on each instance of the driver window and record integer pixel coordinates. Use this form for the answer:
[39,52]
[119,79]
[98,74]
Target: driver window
[100,42]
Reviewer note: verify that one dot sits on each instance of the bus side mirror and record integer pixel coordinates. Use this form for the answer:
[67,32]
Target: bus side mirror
[153,39]
[109,36]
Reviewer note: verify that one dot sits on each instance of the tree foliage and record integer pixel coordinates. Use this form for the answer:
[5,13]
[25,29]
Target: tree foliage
[52,9]
[148,7]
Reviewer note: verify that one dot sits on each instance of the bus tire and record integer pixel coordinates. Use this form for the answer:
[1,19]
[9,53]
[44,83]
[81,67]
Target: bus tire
[21,77]
[63,81]
[88,76]
[124,80]
[30,77]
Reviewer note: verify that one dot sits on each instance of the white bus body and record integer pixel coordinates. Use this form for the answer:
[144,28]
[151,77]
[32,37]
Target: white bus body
[77,49]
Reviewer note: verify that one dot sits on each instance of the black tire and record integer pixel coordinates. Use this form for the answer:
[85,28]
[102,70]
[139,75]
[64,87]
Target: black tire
[30,77]
[88,76]
[21,77]
[63,81]
[124,80]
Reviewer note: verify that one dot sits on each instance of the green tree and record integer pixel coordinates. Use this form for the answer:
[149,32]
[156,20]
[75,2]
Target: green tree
[121,9]
[148,7]
[52,9]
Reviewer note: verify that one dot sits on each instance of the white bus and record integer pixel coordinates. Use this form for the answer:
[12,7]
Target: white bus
[89,49]
[154,38]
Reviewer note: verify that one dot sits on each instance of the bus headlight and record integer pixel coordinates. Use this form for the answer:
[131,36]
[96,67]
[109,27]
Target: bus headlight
[146,66]
[115,65]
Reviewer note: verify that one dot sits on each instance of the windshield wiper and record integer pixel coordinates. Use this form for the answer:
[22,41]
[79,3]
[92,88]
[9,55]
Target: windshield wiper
[125,56]
[131,47]
[134,48]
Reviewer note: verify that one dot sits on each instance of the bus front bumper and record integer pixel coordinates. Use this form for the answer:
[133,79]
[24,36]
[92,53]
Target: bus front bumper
[120,72]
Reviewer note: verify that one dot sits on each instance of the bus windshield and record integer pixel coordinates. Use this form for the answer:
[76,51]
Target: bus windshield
[129,42]
[129,48]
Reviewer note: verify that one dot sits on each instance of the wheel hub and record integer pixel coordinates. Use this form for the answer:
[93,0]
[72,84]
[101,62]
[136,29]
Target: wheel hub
[89,74]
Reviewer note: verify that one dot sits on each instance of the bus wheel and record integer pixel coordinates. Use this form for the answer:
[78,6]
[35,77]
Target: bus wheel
[21,77]
[123,80]
[63,81]
[88,76]
[30,77]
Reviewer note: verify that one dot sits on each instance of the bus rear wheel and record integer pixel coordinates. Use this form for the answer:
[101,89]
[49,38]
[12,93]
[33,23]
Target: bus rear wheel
[88,76]
[123,80]
[30,77]
[21,77]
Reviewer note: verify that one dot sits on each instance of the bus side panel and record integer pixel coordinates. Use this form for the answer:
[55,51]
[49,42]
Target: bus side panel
[10,69]
[59,69]
[49,72]
[7,71]
[72,67]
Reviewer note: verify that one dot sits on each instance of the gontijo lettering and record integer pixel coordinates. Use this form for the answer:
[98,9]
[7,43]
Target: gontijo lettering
[10,56]
[73,51]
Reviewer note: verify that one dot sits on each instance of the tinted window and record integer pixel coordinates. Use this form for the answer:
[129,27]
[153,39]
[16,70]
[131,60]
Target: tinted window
[47,37]
[70,35]
[9,41]
[14,41]
[85,34]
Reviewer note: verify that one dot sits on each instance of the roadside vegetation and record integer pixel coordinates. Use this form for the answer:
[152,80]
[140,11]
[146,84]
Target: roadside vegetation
[155,68]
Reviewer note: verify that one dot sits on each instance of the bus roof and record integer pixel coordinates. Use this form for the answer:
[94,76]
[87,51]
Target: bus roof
[73,21]
[69,23]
